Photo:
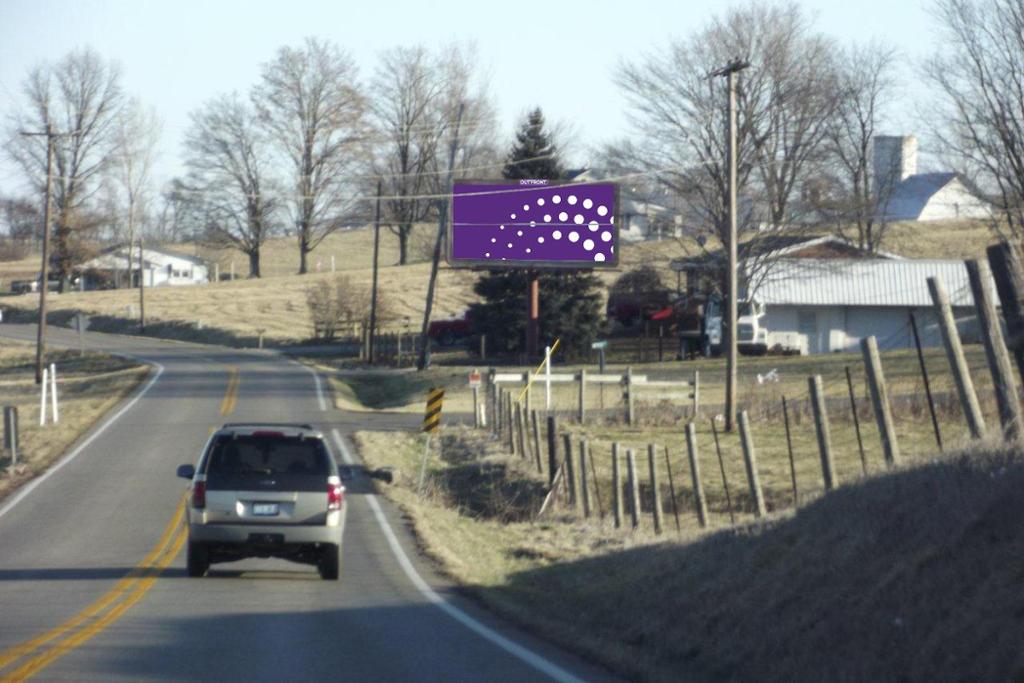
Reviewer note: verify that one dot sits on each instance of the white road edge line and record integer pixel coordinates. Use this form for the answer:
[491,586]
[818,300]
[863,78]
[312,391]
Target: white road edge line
[515,649]
[319,386]
[31,486]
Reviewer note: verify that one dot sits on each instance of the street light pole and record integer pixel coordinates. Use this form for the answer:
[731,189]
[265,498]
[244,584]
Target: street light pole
[732,290]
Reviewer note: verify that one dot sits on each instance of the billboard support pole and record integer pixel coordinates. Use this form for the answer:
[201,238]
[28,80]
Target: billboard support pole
[533,316]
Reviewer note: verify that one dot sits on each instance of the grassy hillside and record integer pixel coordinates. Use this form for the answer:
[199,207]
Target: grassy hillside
[276,303]
[908,575]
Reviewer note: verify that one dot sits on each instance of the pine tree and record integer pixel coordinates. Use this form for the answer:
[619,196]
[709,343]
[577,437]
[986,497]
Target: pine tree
[570,307]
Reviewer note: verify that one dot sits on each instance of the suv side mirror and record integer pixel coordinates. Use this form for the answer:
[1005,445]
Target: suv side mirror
[186,471]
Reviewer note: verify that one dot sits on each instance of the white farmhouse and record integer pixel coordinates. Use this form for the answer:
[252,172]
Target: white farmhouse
[160,268]
[906,195]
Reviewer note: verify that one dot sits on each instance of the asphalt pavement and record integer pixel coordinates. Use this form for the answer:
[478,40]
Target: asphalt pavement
[92,578]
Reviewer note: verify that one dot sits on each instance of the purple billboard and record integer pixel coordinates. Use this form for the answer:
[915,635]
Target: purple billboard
[533,223]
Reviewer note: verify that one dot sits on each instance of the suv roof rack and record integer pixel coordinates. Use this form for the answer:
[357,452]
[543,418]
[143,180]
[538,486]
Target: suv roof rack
[293,425]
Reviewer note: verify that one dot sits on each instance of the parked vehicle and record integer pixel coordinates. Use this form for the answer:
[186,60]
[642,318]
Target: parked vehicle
[451,331]
[698,322]
[265,490]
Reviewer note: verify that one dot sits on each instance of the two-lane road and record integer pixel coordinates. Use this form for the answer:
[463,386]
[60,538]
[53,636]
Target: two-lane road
[92,582]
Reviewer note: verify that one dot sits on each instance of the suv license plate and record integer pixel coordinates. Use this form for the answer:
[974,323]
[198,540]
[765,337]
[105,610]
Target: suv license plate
[264,509]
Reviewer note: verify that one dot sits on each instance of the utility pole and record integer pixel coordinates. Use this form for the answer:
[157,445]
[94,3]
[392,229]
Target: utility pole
[44,275]
[423,362]
[142,287]
[731,291]
[373,295]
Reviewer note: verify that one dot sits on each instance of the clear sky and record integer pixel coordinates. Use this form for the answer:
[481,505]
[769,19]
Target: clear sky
[560,55]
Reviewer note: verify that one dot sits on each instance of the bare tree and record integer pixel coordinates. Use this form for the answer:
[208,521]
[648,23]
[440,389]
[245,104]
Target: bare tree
[980,73]
[228,160]
[80,96]
[784,104]
[405,95]
[866,78]
[414,96]
[310,102]
[20,219]
[136,134]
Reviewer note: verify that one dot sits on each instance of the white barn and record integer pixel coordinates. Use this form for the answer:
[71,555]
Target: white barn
[160,268]
[829,305]
[906,195]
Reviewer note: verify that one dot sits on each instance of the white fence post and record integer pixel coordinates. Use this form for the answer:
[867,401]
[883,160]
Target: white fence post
[53,392]
[42,397]
[547,377]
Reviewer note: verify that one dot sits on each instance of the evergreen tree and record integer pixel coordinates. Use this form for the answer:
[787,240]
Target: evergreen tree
[570,306]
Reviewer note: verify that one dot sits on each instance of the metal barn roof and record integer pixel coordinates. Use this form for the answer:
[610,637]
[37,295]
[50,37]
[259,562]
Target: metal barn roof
[859,282]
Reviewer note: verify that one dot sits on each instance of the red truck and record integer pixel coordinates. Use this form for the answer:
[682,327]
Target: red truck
[451,331]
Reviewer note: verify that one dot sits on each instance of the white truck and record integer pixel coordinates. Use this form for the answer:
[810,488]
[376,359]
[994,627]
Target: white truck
[751,333]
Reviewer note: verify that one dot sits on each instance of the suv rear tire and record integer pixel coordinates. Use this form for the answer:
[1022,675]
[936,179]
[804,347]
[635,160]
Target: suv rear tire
[330,563]
[197,559]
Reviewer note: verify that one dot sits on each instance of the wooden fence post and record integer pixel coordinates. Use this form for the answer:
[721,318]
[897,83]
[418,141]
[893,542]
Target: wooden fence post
[1007,398]
[521,430]
[652,468]
[570,470]
[511,422]
[750,461]
[1008,272]
[584,488]
[696,393]
[583,395]
[880,400]
[634,488]
[616,486]
[821,428]
[535,428]
[629,395]
[957,362]
[698,487]
[490,399]
[552,449]
[476,407]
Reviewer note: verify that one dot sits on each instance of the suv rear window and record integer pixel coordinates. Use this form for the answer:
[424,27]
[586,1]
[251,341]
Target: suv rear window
[278,463]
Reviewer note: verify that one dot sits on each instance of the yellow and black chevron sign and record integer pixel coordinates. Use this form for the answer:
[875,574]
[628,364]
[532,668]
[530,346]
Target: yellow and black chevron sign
[432,418]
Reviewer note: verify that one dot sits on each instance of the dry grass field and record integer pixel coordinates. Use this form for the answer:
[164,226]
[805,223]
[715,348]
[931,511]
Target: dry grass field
[88,387]
[859,583]
[276,303]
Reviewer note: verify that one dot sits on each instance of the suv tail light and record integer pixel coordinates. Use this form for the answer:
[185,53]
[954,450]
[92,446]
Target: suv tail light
[199,495]
[335,494]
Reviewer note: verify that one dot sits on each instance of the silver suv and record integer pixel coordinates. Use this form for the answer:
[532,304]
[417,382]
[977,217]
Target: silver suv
[265,490]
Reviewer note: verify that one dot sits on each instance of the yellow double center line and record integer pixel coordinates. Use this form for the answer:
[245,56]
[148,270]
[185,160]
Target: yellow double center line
[227,406]
[60,640]
[35,655]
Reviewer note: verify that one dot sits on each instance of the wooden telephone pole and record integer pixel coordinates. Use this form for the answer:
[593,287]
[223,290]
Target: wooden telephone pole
[729,71]
[371,351]
[44,274]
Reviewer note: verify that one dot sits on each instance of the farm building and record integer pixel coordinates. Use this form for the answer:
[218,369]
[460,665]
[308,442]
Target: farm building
[825,305]
[160,268]
[906,195]
[824,294]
